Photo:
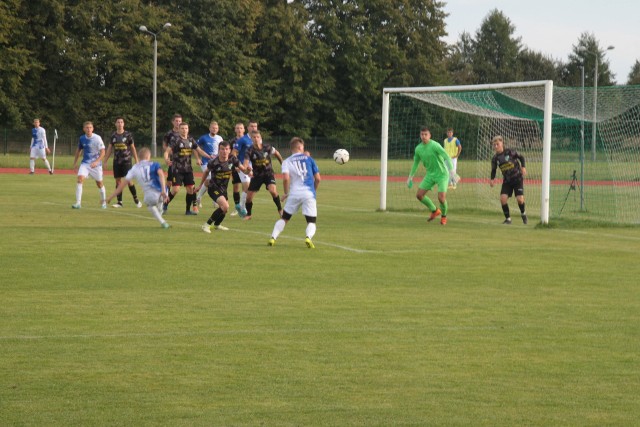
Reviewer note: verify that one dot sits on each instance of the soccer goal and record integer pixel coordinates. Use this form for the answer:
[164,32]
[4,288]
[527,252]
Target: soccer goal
[582,162]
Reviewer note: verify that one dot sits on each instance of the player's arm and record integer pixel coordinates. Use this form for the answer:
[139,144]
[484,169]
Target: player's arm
[459,148]
[167,155]
[316,180]
[494,168]
[414,168]
[123,183]
[278,155]
[75,159]
[163,185]
[97,161]
[46,144]
[286,183]
[134,151]
[108,154]
[205,175]
[520,157]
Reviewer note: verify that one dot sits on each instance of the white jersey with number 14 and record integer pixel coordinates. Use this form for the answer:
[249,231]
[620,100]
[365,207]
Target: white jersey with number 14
[301,169]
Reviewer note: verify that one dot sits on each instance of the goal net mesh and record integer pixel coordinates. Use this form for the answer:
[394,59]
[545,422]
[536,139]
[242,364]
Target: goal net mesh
[589,181]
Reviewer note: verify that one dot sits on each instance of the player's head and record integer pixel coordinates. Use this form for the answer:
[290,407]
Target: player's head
[425,134]
[214,128]
[449,132]
[224,148]
[239,129]
[119,122]
[296,145]
[184,129]
[256,137]
[498,144]
[144,153]
[87,127]
[36,122]
[176,120]
[253,125]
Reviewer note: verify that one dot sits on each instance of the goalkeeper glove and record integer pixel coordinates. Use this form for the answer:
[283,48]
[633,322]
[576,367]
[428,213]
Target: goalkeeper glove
[410,182]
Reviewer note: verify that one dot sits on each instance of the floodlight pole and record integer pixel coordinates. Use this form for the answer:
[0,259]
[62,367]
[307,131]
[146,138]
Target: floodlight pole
[154,144]
[582,145]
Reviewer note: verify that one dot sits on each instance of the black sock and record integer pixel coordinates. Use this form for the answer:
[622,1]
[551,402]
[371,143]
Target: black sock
[219,216]
[189,201]
[276,200]
[119,196]
[134,193]
[505,210]
[171,196]
[236,197]
[249,206]
[521,206]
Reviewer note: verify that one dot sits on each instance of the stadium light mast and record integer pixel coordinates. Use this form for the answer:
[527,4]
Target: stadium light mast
[582,143]
[596,55]
[154,145]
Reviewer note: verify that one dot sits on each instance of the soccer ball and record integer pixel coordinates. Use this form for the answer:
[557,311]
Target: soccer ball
[341,156]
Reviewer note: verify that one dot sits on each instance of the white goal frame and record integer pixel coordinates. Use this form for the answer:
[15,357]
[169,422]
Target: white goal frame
[546,139]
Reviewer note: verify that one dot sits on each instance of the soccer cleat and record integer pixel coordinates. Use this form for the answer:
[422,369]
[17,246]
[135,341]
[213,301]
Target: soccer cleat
[50,172]
[221,227]
[31,173]
[434,215]
[206,228]
[139,204]
[271,242]
[117,205]
[507,221]
[198,202]
[104,205]
[191,213]
[309,243]
[443,220]
[234,213]
[164,225]
[76,206]
[243,212]
[195,209]
[525,220]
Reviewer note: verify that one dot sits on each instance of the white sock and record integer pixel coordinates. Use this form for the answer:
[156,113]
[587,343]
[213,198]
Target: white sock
[46,162]
[201,192]
[278,228]
[78,193]
[311,229]
[156,213]
[243,200]
[32,165]
[103,194]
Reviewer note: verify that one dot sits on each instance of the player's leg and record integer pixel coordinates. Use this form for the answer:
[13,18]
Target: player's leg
[118,179]
[252,189]
[505,192]
[153,202]
[32,165]
[310,212]
[523,213]
[82,173]
[236,192]
[190,198]
[219,214]
[442,198]
[271,187]
[132,188]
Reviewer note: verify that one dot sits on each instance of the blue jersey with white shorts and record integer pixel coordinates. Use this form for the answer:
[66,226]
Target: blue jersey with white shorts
[90,147]
[146,173]
[241,145]
[209,145]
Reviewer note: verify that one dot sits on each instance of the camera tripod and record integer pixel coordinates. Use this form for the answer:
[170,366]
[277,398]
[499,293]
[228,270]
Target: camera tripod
[572,187]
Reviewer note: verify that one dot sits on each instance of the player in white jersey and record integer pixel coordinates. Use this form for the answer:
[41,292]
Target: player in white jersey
[300,178]
[92,148]
[154,183]
[39,147]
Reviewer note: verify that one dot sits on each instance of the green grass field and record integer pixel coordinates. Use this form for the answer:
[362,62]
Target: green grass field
[107,319]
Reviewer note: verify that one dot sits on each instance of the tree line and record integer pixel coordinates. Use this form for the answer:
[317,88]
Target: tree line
[304,67]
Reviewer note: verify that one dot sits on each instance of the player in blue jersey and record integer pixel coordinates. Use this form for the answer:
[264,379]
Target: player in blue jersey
[239,178]
[209,144]
[39,147]
[124,151]
[92,148]
[154,183]
[300,178]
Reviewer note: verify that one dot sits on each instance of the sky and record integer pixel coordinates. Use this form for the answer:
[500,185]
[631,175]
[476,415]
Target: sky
[554,27]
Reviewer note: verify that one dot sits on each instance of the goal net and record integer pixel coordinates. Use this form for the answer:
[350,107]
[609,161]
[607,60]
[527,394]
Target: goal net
[582,162]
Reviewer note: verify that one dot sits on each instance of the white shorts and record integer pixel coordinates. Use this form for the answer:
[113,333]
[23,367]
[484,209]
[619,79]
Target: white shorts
[86,170]
[455,164]
[38,153]
[152,198]
[244,178]
[308,204]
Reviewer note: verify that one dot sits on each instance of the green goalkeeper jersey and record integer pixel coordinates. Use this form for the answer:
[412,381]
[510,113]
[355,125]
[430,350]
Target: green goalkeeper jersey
[434,158]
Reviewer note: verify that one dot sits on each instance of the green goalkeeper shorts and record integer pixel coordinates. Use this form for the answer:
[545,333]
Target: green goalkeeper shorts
[429,181]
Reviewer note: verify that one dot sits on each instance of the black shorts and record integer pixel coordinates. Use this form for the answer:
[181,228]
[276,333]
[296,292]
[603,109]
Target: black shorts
[120,169]
[258,181]
[235,177]
[513,186]
[182,178]
[216,192]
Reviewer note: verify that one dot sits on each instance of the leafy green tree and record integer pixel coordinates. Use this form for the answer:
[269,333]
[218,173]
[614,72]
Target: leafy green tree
[536,66]
[634,74]
[496,51]
[584,53]
[460,61]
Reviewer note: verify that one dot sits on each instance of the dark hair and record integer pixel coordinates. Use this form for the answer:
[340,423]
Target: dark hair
[176,116]
[119,117]
[224,144]
[425,129]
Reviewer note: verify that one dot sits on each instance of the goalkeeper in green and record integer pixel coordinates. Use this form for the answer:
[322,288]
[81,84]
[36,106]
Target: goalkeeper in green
[439,171]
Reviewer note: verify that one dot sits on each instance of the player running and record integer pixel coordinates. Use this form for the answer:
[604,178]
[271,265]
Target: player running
[511,164]
[259,155]
[300,178]
[218,174]
[439,172]
[154,184]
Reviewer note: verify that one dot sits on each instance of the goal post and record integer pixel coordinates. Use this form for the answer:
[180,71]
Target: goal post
[448,97]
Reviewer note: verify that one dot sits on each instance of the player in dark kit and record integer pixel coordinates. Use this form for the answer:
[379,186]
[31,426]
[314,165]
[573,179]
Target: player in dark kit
[178,157]
[220,171]
[123,148]
[512,166]
[259,155]
[167,139]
